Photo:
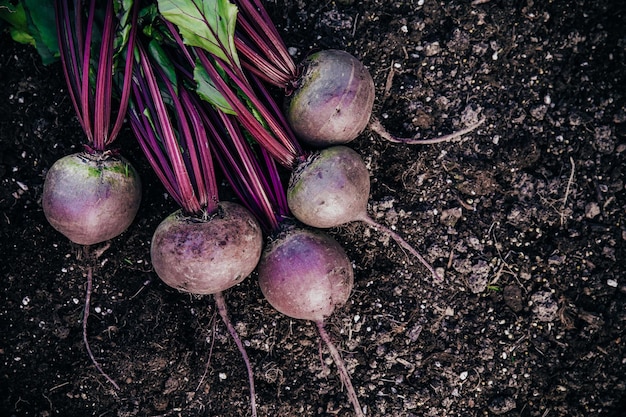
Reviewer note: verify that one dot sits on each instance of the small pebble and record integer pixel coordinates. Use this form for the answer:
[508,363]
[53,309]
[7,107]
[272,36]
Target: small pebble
[544,306]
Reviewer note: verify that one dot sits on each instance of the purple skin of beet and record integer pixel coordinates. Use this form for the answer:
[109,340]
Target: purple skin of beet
[305,274]
[330,188]
[333,102]
[207,256]
[91,198]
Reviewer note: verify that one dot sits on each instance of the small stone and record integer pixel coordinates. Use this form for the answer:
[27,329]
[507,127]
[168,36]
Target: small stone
[539,112]
[477,283]
[432,49]
[544,306]
[592,210]
[414,333]
[479,279]
[604,140]
[556,259]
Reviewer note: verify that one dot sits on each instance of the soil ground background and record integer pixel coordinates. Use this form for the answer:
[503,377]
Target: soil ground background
[526,217]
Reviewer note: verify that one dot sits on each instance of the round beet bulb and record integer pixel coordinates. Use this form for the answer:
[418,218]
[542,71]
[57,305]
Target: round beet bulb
[305,274]
[91,198]
[334,99]
[330,188]
[207,256]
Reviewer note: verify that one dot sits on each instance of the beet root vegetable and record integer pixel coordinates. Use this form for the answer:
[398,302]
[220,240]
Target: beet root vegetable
[330,95]
[91,198]
[331,188]
[207,256]
[333,101]
[94,196]
[306,274]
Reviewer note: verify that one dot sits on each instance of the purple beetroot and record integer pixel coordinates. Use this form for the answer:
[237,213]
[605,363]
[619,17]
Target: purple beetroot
[91,198]
[330,95]
[306,274]
[333,101]
[207,256]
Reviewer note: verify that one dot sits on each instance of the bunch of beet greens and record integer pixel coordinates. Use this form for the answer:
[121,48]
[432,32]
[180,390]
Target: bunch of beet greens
[195,87]
[327,188]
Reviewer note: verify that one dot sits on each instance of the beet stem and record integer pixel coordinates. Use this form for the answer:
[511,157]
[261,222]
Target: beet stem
[400,240]
[221,308]
[85,317]
[343,372]
[380,130]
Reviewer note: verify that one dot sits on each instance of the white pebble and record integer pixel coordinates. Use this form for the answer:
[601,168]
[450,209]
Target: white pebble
[611,283]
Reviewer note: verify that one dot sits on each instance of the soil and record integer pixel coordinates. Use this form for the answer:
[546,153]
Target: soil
[526,218]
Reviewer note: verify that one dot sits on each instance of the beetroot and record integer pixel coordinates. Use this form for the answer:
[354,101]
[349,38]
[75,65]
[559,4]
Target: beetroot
[207,246]
[306,274]
[91,198]
[207,256]
[331,188]
[333,101]
[330,95]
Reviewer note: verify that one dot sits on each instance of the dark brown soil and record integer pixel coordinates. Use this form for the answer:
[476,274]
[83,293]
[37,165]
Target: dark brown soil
[526,217]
